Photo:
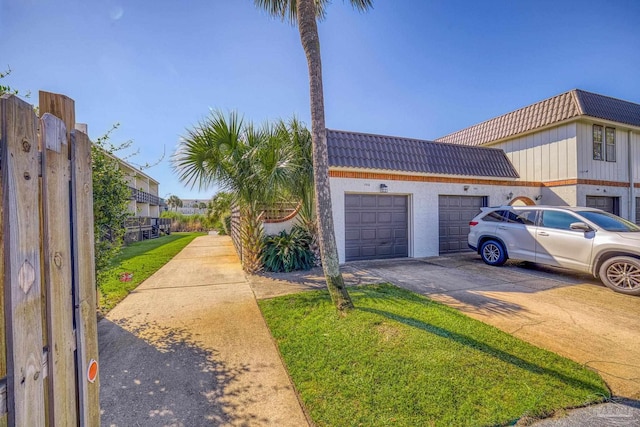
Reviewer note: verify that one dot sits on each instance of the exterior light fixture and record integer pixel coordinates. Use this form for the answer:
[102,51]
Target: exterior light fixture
[466,188]
[384,188]
[509,196]
[538,197]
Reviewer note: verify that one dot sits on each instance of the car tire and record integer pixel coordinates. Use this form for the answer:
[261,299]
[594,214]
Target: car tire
[493,253]
[622,274]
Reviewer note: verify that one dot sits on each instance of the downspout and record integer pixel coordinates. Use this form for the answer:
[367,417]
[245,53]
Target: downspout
[631,178]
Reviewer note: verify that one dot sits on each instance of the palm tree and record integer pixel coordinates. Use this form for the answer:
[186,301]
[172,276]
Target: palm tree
[256,165]
[305,13]
[174,202]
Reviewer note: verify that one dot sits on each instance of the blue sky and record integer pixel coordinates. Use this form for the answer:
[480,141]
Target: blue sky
[414,68]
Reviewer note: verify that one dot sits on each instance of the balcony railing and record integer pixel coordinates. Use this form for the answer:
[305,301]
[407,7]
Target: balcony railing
[144,197]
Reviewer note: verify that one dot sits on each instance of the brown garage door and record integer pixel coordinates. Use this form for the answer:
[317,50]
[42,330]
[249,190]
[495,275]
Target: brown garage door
[455,212]
[607,204]
[375,226]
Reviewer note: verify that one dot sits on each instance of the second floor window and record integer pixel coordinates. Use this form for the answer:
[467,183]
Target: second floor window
[610,141]
[604,143]
[597,142]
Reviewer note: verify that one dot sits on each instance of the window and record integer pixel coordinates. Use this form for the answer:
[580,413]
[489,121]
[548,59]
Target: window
[559,220]
[522,217]
[597,142]
[610,141]
[495,216]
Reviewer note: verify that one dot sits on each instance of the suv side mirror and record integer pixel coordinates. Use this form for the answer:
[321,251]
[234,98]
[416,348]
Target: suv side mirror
[581,226]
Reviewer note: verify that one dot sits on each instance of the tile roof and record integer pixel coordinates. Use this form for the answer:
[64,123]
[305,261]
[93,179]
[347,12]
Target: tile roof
[568,105]
[366,151]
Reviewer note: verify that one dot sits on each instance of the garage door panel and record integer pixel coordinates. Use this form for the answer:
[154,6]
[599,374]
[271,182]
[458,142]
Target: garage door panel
[368,218]
[385,202]
[384,250]
[400,201]
[400,233]
[377,226]
[454,213]
[350,235]
[368,251]
[384,218]
[352,218]
[385,233]
[368,201]
[351,201]
[368,234]
[637,210]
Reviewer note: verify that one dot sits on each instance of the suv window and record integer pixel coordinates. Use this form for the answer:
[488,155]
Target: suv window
[559,220]
[609,221]
[494,216]
[522,217]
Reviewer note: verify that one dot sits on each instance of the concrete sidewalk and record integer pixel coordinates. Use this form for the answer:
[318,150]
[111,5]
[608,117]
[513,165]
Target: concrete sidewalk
[189,347]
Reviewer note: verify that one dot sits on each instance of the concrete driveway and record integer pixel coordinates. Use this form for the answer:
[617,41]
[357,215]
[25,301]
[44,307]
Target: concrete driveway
[568,313]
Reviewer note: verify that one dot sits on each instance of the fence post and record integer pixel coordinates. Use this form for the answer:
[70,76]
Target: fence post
[22,273]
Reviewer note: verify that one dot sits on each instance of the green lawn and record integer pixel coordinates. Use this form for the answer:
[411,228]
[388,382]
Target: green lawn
[141,260]
[400,359]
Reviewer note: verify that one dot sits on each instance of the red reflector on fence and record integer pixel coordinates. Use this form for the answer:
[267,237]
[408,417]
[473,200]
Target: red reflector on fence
[92,371]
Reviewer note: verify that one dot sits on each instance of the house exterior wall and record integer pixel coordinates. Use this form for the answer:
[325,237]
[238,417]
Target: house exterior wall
[617,171]
[565,153]
[547,155]
[423,205]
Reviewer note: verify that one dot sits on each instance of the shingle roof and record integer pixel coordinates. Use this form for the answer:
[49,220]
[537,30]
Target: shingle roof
[366,151]
[561,107]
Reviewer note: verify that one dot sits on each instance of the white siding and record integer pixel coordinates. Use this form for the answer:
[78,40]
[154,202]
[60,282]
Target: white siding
[588,168]
[635,155]
[548,155]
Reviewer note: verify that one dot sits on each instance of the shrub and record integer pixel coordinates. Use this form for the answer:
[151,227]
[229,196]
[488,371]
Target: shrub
[187,223]
[285,252]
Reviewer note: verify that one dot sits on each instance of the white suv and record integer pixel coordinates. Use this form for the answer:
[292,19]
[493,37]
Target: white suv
[578,238]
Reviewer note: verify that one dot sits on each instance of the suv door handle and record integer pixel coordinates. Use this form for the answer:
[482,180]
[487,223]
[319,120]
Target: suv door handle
[502,227]
[543,233]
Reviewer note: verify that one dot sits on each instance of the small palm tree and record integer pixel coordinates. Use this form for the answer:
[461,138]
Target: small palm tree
[254,164]
[305,13]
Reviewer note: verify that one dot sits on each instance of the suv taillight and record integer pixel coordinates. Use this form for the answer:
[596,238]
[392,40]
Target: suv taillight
[473,223]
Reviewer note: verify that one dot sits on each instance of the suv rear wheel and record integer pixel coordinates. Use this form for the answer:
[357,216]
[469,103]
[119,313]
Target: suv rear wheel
[622,274]
[493,253]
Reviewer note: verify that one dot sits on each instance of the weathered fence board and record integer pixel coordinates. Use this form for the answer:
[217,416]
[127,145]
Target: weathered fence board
[58,271]
[84,289]
[22,271]
[3,349]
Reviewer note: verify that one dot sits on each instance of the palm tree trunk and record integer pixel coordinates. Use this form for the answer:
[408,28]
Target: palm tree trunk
[308,28]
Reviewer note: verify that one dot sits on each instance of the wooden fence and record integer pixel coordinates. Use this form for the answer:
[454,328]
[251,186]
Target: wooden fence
[48,333]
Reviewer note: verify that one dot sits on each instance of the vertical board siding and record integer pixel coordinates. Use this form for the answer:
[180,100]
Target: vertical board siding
[85,288]
[617,171]
[58,273]
[22,271]
[545,155]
